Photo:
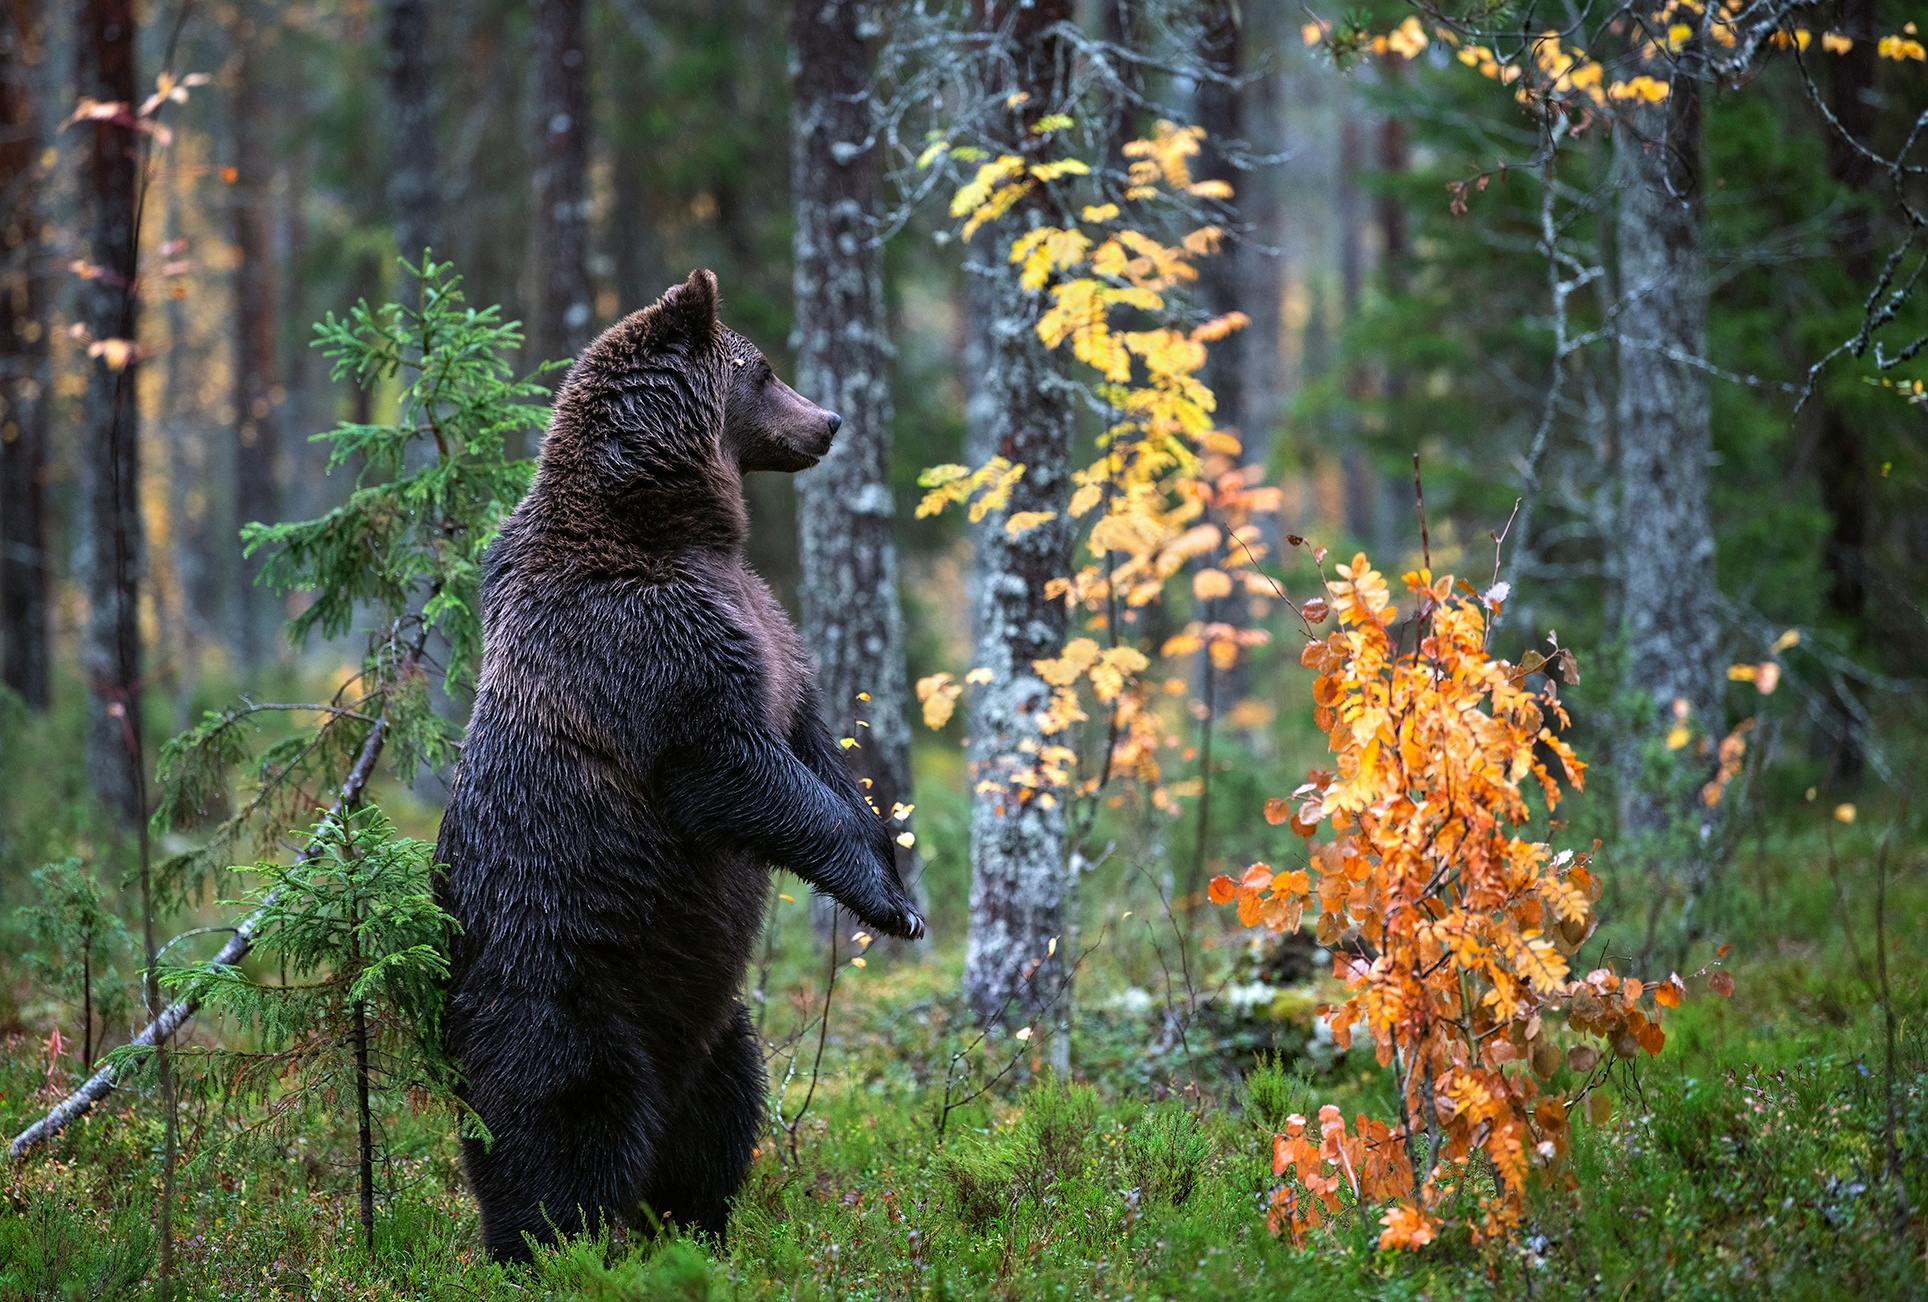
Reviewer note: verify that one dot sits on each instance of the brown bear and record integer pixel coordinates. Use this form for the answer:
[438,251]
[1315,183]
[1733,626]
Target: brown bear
[646,743]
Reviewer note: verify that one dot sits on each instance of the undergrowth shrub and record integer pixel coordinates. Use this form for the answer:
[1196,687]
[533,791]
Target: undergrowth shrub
[1053,1136]
[1165,1152]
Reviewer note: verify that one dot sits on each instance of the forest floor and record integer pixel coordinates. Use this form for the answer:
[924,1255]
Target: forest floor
[1746,1161]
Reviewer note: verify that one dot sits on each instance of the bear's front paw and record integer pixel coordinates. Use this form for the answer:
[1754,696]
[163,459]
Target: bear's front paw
[903,922]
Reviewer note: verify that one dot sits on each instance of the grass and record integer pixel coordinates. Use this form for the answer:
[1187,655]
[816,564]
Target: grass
[1746,1161]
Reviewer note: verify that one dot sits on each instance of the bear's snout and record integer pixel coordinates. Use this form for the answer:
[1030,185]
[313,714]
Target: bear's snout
[835,422]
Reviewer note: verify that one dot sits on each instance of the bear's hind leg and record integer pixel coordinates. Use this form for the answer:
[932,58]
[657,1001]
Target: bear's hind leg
[572,1139]
[706,1147]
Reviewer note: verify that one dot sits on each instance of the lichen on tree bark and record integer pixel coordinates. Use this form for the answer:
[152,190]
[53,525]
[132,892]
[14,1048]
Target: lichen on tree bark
[1666,537]
[1016,968]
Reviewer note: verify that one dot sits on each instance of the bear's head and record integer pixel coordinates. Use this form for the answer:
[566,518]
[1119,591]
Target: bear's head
[664,413]
[767,425]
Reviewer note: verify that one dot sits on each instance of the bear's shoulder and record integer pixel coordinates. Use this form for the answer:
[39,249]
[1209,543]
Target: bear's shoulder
[683,630]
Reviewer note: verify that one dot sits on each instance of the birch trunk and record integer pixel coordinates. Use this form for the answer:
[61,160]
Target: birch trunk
[257,440]
[560,312]
[1020,886]
[852,621]
[108,556]
[24,632]
[1666,537]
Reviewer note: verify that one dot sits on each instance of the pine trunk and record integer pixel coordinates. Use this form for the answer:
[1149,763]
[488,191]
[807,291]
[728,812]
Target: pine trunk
[1843,461]
[1262,258]
[852,621]
[1362,485]
[1221,288]
[257,441]
[1666,538]
[109,552]
[24,631]
[414,187]
[560,309]
[1020,888]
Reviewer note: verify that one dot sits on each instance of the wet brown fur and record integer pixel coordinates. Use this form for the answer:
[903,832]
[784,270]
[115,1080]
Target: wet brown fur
[646,742]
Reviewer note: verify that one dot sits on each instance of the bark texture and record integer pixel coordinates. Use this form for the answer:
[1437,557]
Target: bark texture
[560,309]
[1020,886]
[1844,462]
[23,360]
[108,556]
[414,185]
[1221,286]
[1121,25]
[1261,257]
[853,624]
[1666,537]
[1362,485]
[257,435]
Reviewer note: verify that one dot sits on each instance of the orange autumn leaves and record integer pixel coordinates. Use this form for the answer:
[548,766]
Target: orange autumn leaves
[1369,1163]
[1451,933]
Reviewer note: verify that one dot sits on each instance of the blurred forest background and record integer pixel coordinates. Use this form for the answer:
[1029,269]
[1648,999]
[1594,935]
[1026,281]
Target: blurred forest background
[1711,467]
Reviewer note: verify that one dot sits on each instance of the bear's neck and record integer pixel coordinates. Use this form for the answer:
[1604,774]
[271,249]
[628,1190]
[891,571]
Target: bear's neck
[692,507]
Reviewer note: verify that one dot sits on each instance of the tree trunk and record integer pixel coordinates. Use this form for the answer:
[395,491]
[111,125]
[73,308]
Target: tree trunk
[1261,257]
[636,253]
[1121,24]
[1392,210]
[1221,289]
[1362,487]
[560,309]
[24,629]
[1019,885]
[257,439]
[414,188]
[190,534]
[852,621]
[1666,534]
[109,551]
[364,1126]
[1843,462]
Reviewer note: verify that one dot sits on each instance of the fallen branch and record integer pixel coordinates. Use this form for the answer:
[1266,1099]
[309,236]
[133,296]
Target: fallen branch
[171,1018]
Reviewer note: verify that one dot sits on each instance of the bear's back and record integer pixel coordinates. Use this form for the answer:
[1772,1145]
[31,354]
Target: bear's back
[594,676]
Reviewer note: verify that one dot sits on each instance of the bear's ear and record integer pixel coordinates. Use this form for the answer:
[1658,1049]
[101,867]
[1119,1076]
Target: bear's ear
[692,304]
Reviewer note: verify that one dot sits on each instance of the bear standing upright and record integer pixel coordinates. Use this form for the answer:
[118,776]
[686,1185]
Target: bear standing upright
[646,742]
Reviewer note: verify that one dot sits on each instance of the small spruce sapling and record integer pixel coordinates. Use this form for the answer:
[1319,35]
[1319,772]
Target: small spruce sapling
[75,937]
[363,945]
[404,552]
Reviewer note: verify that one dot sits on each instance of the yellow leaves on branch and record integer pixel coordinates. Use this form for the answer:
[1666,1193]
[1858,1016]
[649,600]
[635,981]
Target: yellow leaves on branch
[1001,183]
[1901,47]
[1407,41]
[987,489]
[1165,492]
[1643,87]
[1451,933]
[938,695]
[1478,56]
